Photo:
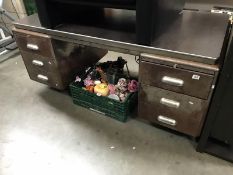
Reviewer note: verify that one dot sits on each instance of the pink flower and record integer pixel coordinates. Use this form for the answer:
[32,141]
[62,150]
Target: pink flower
[133,86]
[88,81]
[111,88]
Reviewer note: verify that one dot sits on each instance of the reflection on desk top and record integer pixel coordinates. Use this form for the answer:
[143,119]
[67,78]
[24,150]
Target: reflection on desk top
[196,36]
[195,33]
[207,5]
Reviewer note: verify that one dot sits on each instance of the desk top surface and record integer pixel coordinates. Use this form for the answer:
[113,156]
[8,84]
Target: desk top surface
[196,36]
[207,5]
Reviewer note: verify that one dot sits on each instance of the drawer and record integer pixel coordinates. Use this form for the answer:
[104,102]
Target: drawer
[179,80]
[34,42]
[176,111]
[35,61]
[49,78]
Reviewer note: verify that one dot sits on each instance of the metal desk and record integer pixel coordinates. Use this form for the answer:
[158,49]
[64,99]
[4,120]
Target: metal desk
[190,50]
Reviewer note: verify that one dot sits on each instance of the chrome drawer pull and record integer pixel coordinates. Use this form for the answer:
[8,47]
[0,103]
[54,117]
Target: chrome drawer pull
[166,120]
[32,46]
[38,63]
[170,103]
[172,81]
[42,77]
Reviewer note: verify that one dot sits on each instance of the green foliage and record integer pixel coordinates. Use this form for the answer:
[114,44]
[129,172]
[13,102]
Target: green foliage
[30,6]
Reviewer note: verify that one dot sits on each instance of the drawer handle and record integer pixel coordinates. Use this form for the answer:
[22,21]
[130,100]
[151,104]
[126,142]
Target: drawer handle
[32,46]
[42,77]
[167,120]
[170,103]
[172,81]
[38,63]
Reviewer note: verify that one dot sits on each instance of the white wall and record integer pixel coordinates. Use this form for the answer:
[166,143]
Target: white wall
[18,8]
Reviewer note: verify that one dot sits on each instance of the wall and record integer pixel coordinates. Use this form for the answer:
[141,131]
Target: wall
[15,8]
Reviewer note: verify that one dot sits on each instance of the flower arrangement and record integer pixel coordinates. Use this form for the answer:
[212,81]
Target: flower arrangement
[96,82]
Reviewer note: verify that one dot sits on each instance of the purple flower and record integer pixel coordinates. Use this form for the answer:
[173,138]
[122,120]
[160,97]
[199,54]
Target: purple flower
[88,81]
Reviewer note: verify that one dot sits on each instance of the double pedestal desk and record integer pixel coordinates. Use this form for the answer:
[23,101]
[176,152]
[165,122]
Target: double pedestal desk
[177,73]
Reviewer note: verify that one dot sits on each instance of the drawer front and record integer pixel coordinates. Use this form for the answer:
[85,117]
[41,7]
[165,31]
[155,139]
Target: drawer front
[35,61]
[34,42]
[178,80]
[179,112]
[49,78]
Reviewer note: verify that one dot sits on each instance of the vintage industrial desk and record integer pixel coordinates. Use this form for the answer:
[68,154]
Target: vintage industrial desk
[177,73]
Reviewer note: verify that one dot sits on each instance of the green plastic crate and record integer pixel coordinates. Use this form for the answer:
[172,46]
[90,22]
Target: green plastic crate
[109,107]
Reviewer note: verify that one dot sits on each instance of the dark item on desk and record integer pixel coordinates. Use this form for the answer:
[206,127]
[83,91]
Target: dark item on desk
[151,15]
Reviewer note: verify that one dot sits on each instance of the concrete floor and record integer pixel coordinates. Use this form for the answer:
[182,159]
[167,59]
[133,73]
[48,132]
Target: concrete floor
[43,133]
